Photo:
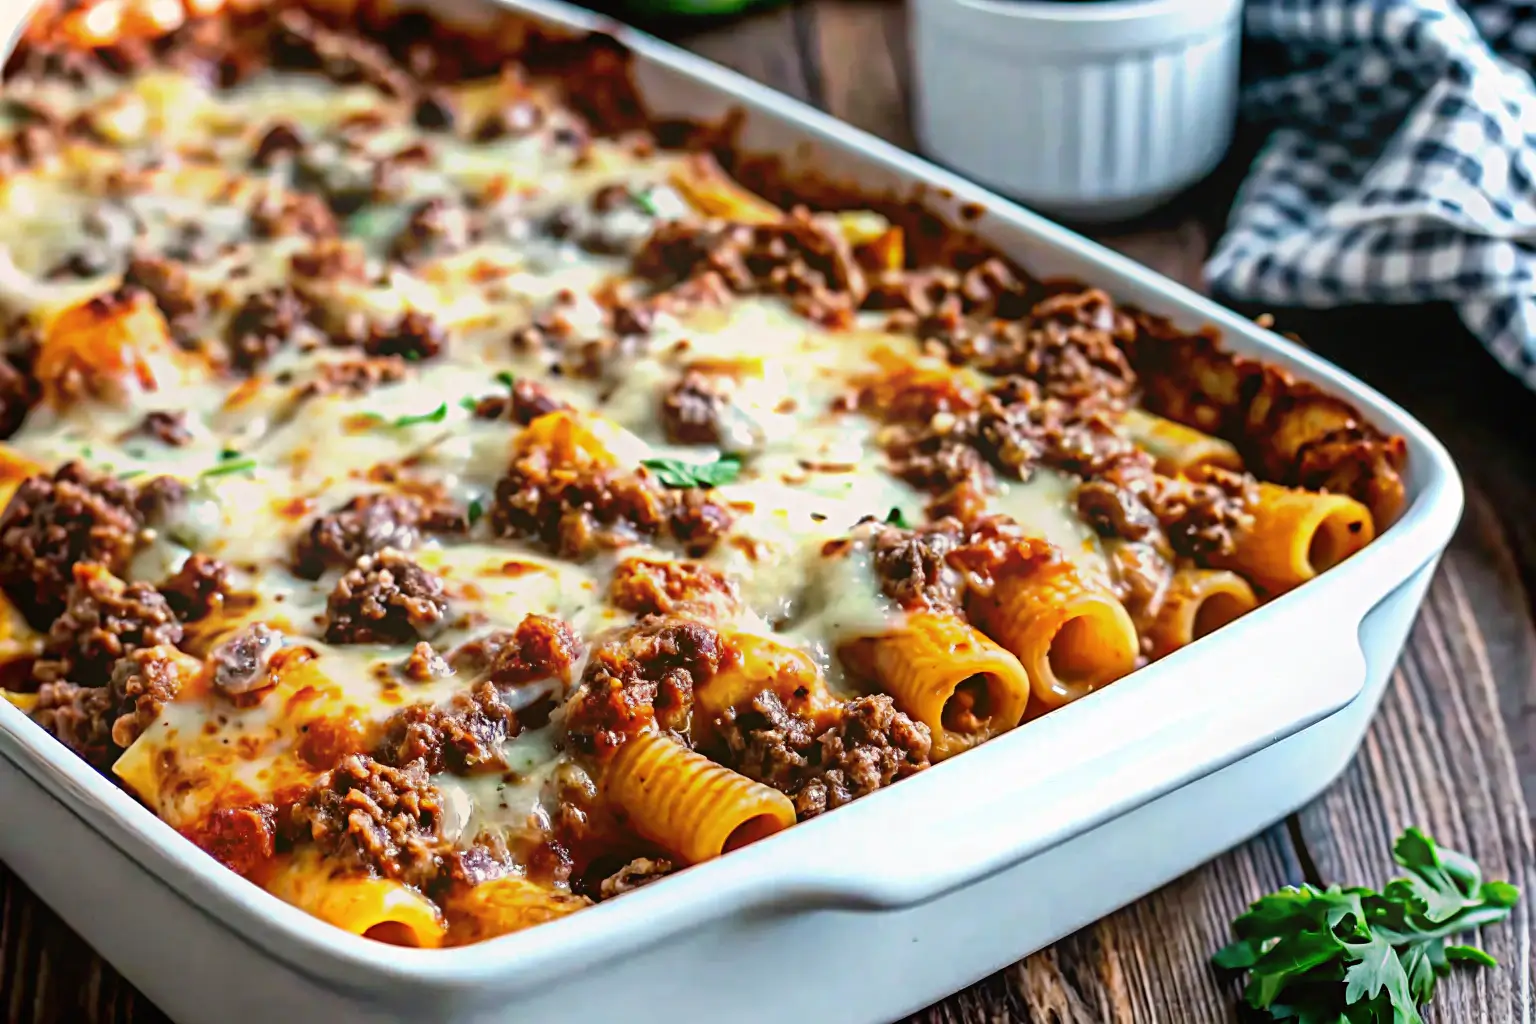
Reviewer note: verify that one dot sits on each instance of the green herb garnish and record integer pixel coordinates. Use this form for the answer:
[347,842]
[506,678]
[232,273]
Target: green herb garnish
[506,379]
[435,416]
[676,473]
[476,510]
[228,466]
[129,474]
[1356,956]
[469,403]
[897,518]
[647,202]
[228,453]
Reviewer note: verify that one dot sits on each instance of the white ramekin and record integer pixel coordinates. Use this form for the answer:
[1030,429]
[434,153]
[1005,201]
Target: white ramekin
[1092,111]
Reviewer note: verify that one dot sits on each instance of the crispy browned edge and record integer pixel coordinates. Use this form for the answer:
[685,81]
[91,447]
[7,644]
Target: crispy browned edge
[1289,431]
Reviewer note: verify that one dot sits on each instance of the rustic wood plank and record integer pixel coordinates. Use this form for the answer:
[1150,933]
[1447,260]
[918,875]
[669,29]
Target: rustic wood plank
[1144,964]
[1438,757]
[859,48]
[764,46]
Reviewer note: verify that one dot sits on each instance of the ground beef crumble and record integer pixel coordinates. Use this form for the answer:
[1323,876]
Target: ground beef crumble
[649,587]
[542,647]
[424,664]
[641,871]
[1202,517]
[871,746]
[642,675]
[265,322]
[376,818]
[366,525]
[935,565]
[169,427]
[386,599]
[142,683]
[1070,344]
[53,522]
[169,283]
[240,664]
[80,717]
[415,335]
[436,227]
[804,258]
[527,401]
[463,737]
[765,741]
[354,378]
[240,838]
[197,588]
[103,620]
[576,508]
[19,391]
[1012,429]
[692,407]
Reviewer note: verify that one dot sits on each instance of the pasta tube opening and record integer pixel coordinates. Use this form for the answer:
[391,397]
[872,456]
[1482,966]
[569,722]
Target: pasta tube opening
[1297,534]
[1070,636]
[1217,610]
[1198,601]
[943,672]
[1335,538]
[759,826]
[377,908]
[396,933]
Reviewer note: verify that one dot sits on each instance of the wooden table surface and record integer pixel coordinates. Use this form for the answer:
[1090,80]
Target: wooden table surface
[1452,750]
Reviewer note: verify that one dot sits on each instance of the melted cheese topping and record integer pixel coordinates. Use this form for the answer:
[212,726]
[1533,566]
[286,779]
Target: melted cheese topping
[262,458]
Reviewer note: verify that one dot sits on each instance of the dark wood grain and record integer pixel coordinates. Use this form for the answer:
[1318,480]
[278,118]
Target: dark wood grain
[1453,748]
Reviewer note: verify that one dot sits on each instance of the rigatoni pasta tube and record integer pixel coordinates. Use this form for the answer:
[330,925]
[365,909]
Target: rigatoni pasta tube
[377,908]
[1071,635]
[1196,602]
[947,674]
[686,803]
[759,664]
[502,906]
[1297,534]
[22,701]
[1177,448]
[712,192]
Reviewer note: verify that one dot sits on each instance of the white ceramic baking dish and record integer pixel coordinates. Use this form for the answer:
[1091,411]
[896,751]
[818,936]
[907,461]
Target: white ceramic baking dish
[861,915]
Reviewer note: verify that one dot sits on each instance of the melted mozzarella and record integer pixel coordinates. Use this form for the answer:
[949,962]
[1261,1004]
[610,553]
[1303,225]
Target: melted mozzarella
[262,459]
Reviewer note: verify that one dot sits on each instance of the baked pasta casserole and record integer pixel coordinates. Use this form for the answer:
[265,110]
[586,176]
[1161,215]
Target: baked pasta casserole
[450,499]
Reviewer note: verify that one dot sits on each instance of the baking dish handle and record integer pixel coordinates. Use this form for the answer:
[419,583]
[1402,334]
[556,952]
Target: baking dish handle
[1247,686]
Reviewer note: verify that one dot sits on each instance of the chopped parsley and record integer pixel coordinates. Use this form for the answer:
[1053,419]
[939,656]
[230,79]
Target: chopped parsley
[680,474]
[476,510]
[1357,955]
[469,403]
[647,202]
[506,379]
[435,416]
[897,518]
[229,465]
[129,474]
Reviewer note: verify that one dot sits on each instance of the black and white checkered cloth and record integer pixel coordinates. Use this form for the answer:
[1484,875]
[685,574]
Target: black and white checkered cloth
[1401,167]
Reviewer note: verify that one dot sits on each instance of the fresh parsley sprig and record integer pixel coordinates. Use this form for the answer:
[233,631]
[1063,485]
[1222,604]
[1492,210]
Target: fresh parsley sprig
[1357,956]
[401,422]
[680,474]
